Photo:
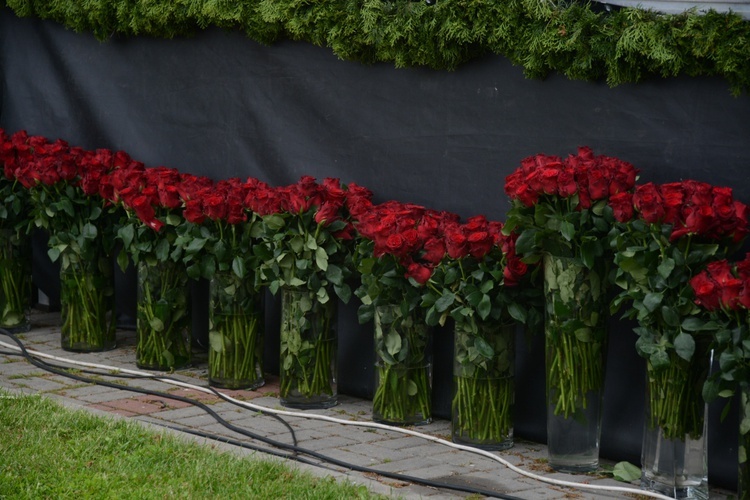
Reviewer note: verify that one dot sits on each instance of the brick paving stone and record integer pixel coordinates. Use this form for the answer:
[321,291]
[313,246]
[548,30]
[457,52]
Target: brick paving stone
[162,403]
[376,452]
[195,394]
[110,409]
[102,394]
[262,425]
[325,443]
[40,384]
[346,456]
[179,413]
[11,370]
[134,405]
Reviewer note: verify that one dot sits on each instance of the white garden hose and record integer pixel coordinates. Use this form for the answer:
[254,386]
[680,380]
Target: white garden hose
[251,406]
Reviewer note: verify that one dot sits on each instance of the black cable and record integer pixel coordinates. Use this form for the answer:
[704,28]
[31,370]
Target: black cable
[172,379]
[64,372]
[294,448]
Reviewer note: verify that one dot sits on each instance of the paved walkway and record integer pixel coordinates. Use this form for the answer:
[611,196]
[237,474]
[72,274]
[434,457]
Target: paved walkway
[383,450]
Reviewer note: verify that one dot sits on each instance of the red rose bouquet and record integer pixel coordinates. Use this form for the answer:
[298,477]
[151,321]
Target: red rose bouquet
[723,291]
[308,258]
[666,234]
[399,247]
[15,246]
[156,235]
[229,238]
[559,208]
[64,188]
[487,289]
[675,231]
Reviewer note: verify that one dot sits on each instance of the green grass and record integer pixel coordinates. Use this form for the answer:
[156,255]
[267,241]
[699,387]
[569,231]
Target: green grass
[47,451]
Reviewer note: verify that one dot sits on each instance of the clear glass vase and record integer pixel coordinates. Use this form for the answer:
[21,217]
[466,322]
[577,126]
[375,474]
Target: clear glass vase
[163,321]
[575,343]
[673,456]
[743,471]
[307,378]
[235,332]
[15,279]
[403,367]
[87,304]
[483,383]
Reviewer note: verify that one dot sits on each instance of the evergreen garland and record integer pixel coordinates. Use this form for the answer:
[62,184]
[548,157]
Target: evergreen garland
[579,40]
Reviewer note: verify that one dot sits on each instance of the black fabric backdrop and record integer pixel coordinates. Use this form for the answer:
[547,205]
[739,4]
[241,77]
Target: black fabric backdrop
[222,105]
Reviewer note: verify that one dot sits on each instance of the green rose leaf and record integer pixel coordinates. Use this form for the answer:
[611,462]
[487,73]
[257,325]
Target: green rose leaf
[412,388]
[89,231]
[665,268]
[238,266]
[659,359]
[484,349]
[671,318]
[626,472]
[393,343]
[484,308]
[652,300]
[445,301]
[684,345]
[321,258]
[568,230]
[216,340]
[126,233]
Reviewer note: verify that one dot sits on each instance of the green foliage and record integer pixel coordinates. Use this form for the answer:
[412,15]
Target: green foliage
[653,273]
[578,39]
[299,252]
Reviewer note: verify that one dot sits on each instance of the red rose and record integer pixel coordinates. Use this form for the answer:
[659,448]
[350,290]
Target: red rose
[421,274]
[90,182]
[215,207]
[700,220]
[648,203]
[434,250]
[730,293]
[566,183]
[598,184]
[476,223]
[395,244]
[193,211]
[548,178]
[347,233]
[235,211]
[496,230]
[526,195]
[480,243]
[152,193]
[720,271]
[512,183]
[698,193]
[705,291]
[169,196]
[455,242]
[533,181]
[673,197]
[145,212]
[622,206]
[514,270]
[327,212]
[623,176]
[743,299]
[411,239]
[743,268]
